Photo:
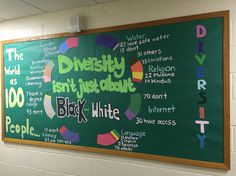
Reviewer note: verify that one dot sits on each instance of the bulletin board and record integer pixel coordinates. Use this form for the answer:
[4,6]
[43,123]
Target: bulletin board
[155,90]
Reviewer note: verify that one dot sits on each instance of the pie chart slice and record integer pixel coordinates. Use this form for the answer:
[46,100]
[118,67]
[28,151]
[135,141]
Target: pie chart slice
[109,138]
[69,135]
[47,74]
[47,103]
[137,71]
[108,41]
[69,43]
[134,106]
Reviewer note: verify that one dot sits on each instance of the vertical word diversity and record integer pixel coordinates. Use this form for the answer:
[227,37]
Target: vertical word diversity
[200,57]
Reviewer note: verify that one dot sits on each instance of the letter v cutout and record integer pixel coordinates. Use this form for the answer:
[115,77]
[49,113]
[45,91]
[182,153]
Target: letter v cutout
[200,59]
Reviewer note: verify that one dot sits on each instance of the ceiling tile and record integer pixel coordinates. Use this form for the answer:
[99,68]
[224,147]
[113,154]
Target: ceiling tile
[14,9]
[54,5]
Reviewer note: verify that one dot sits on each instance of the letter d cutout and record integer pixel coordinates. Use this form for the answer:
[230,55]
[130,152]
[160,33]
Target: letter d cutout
[200,31]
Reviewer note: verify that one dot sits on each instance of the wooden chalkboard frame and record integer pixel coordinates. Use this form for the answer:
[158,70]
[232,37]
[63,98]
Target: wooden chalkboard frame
[226,98]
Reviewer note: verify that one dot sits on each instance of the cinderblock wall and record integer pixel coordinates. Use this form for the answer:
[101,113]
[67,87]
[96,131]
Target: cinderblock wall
[24,160]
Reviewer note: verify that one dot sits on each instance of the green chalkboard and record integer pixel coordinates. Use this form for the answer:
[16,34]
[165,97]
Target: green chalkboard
[154,90]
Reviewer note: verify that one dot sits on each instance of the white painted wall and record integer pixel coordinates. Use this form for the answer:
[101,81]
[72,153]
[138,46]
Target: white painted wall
[23,160]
